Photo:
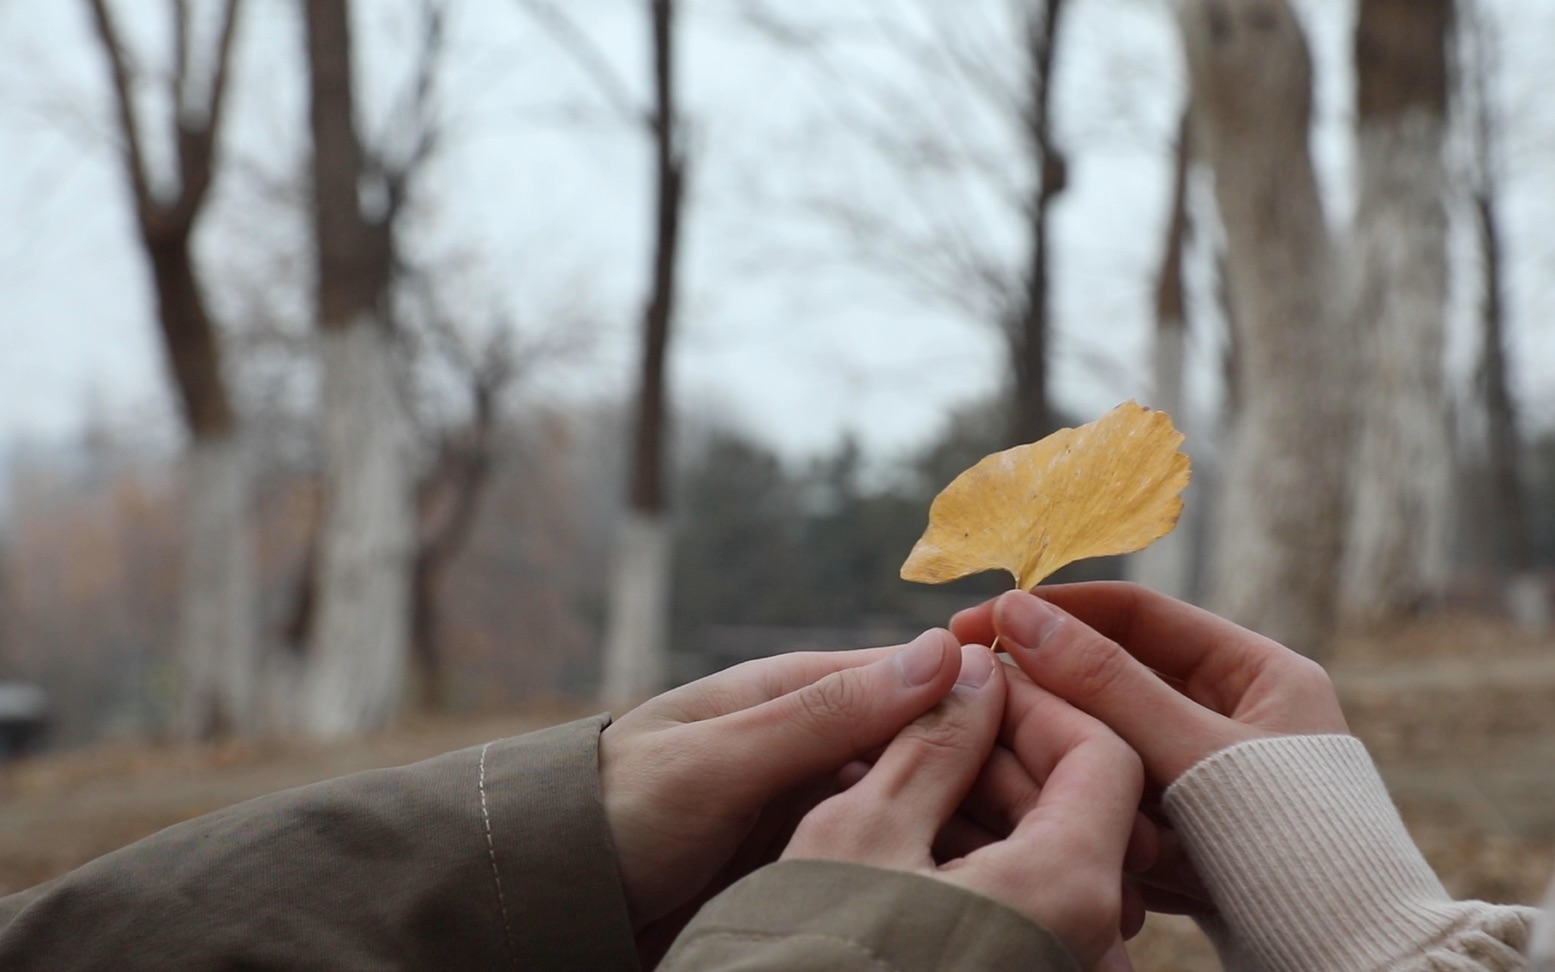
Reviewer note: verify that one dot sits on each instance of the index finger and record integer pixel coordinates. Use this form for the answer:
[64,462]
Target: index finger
[1074,756]
[1082,824]
[1092,794]
[761,680]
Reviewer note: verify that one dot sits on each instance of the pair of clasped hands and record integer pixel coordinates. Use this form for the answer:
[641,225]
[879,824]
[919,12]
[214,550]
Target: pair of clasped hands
[1031,784]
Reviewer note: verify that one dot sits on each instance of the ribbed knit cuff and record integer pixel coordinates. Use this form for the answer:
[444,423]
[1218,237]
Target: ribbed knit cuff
[1304,853]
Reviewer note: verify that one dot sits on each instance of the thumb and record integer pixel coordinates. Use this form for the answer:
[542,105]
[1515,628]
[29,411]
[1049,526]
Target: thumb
[1095,674]
[821,727]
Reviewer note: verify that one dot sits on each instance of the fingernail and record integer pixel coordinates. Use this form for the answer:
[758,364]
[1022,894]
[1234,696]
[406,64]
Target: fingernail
[919,662]
[1026,621]
[976,666]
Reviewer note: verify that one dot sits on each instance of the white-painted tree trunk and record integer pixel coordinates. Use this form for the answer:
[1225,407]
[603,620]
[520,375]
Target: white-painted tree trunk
[1280,515]
[1398,531]
[215,635]
[637,636]
[1167,564]
[361,629]
[283,681]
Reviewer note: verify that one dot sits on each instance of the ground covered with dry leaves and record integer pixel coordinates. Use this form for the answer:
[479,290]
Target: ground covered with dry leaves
[1459,712]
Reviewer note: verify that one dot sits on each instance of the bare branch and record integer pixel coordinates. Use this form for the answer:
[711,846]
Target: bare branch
[948,272]
[199,126]
[134,154]
[218,95]
[417,113]
[936,130]
[181,57]
[892,119]
[759,16]
[573,39]
[977,72]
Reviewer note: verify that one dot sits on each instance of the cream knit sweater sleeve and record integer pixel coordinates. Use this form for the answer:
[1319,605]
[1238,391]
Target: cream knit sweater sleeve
[1303,851]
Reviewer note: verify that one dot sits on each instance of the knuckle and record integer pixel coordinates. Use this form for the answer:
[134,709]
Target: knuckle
[833,819]
[1122,755]
[1099,898]
[1315,702]
[1096,667]
[1309,674]
[943,730]
[835,700]
[1305,678]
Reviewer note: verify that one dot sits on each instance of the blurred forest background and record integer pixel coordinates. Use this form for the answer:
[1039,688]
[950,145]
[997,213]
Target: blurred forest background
[383,377]
[453,355]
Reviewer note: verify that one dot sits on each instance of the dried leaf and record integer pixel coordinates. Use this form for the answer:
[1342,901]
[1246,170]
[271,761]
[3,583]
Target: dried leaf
[1111,487]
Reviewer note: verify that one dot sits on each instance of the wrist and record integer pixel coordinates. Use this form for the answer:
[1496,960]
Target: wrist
[621,799]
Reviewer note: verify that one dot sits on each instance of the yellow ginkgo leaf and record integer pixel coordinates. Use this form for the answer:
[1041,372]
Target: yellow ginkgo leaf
[1111,487]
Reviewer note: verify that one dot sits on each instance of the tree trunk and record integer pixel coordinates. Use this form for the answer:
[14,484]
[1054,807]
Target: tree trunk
[1278,543]
[1498,505]
[637,625]
[426,655]
[1167,564]
[1029,326]
[454,488]
[360,637]
[1507,522]
[215,639]
[637,636]
[216,635]
[1398,527]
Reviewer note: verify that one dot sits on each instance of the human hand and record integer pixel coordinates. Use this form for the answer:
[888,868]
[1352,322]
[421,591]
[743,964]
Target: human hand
[704,783]
[1062,787]
[1175,681]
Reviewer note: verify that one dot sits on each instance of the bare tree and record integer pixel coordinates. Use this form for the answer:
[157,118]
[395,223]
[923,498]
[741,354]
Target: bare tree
[927,123]
[1167,565]
[1500,510]
[1028,330]
[1277,549]
[448,499]
[637,612]
[360,635]
[637,625]
[1171,311]
[215,636]
[1401,487]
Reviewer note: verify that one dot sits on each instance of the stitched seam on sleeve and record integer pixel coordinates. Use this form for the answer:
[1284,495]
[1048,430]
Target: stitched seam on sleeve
[491,853]
[875,961]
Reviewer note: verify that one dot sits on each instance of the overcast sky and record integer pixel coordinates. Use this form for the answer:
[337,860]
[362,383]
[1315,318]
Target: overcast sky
[781,331]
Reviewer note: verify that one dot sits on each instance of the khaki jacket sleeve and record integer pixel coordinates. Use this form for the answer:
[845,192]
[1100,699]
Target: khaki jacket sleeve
[497,857]
[826,916]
